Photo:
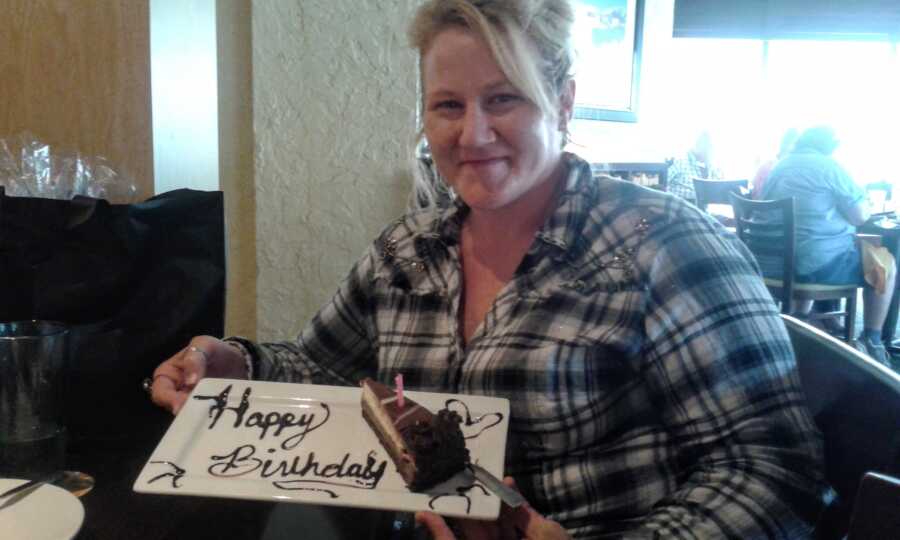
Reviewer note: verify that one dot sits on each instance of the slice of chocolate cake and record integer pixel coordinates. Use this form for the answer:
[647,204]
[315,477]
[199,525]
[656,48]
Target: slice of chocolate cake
[426,448]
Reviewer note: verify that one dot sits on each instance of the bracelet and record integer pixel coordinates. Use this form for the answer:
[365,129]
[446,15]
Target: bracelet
[239,345]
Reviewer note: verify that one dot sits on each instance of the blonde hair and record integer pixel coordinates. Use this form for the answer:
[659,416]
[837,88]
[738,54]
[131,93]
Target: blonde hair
[514,30]
[510,28]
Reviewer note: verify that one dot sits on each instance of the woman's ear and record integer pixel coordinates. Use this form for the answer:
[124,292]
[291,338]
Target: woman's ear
[566,104]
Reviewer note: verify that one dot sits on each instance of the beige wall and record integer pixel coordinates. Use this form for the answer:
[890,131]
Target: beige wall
[334,94]
[235,161]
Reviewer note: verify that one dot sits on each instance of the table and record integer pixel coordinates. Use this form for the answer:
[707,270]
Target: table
[889,230]
[653,175]
[114,511]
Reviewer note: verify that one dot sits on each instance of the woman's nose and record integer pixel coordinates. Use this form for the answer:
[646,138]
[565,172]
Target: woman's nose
[477,128]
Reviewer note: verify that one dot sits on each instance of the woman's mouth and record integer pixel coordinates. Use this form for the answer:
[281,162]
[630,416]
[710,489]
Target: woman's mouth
[480,162]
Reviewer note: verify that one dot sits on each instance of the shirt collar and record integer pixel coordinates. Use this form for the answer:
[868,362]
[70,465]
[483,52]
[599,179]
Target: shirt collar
[563,228]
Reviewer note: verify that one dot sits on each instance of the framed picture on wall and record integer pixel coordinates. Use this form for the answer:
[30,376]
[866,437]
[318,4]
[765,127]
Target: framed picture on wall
[607,38]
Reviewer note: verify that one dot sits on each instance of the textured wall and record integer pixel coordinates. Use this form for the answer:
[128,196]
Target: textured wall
[334,120]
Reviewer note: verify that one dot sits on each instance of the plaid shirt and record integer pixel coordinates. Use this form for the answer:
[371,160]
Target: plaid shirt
[681,174]
[652,384]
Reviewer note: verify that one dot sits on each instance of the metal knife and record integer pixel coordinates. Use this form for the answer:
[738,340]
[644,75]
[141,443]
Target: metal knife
[74,482]
[48,478]
[511,497]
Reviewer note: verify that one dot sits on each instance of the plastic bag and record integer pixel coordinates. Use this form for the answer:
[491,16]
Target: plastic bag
[30,168]
[878,264]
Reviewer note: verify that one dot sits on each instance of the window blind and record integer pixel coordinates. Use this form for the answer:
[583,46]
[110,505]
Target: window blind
[788,19]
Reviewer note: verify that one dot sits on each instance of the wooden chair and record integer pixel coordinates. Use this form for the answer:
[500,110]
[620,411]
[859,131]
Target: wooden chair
[855,403]
[767,229]
[716,191]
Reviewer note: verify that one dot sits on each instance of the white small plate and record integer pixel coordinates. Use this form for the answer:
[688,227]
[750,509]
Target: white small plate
[46,513]
[309,444]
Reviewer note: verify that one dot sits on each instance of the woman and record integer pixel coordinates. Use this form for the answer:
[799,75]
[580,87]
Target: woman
[651,382]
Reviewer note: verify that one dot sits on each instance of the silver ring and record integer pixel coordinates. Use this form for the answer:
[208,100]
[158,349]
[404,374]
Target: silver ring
[147,383]
[199,350]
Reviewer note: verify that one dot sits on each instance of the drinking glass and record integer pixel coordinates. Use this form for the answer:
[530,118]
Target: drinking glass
[32,434]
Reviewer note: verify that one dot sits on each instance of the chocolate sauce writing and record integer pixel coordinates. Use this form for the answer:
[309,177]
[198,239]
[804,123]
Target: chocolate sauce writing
[296,471]
[461,491]
[493,419]
[291,472]
[299,426]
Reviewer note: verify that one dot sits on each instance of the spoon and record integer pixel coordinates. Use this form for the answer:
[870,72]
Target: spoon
[75,482]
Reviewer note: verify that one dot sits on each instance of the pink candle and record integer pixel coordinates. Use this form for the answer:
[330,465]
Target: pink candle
[398,383]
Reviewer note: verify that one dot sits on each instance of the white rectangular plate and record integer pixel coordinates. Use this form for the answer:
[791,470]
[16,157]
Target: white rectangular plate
[309,444]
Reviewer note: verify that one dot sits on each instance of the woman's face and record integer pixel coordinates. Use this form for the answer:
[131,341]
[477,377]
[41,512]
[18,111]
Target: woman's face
[492,144]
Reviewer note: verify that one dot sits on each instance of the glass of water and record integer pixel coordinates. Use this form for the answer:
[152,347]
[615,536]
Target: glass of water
[33,356]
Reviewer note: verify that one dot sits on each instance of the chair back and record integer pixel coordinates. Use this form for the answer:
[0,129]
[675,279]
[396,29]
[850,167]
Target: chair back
[134,281]
[767,229]
[875,515]
[716,191]
[855,402]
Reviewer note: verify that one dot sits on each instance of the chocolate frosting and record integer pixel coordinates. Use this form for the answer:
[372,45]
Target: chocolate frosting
[439,448]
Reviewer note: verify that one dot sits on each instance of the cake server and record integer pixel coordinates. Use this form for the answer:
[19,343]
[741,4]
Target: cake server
[511,497]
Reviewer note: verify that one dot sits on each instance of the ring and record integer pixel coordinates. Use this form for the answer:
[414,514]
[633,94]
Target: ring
[199,350]
[147,384]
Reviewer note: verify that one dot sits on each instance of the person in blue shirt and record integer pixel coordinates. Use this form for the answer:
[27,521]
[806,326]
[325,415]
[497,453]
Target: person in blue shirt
[829,207]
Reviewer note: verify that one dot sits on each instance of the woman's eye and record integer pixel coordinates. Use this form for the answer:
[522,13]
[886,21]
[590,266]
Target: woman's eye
[501,99]
[446,105]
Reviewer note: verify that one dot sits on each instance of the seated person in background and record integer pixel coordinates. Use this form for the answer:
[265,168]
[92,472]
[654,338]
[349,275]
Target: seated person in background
[652,384]
[694,164]
[829,207]
[762,174]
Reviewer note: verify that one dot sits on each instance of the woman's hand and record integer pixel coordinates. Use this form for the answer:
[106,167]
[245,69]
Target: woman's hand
[205,356]
[513,524]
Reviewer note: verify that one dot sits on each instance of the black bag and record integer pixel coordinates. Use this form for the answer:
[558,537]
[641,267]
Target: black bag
[135,281]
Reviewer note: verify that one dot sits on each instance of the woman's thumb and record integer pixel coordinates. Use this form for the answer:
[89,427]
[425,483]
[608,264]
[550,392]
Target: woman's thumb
[435,525]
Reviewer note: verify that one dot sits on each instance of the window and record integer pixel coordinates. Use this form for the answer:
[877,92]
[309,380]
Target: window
[715,84]
[850,85]
[748,91]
